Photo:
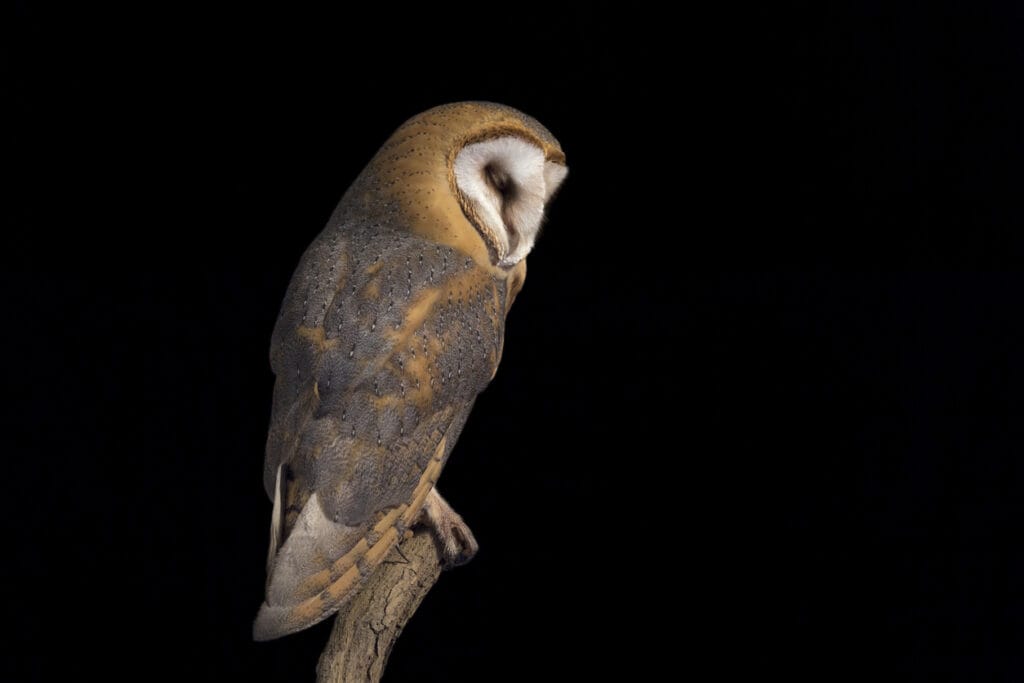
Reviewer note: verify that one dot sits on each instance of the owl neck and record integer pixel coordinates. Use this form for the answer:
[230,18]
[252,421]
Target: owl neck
[419,197]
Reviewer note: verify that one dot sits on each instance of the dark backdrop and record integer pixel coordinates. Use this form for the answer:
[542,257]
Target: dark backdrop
[760,405]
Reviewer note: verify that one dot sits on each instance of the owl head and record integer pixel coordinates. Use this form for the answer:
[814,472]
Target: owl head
[473,175]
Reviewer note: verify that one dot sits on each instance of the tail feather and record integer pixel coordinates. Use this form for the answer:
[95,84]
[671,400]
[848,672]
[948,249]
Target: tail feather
[322,563]
[276,525]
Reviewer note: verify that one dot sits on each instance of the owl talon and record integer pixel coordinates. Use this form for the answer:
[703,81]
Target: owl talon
[458,546]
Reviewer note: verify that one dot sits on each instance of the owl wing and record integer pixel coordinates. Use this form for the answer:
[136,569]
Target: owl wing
[374,383]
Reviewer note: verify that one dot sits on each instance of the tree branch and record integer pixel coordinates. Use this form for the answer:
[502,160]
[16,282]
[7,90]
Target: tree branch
[365,630]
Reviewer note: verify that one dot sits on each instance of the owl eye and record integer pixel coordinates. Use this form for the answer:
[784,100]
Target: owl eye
[500,180]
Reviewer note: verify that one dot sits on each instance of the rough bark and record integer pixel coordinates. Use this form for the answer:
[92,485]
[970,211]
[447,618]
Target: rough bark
[365,630]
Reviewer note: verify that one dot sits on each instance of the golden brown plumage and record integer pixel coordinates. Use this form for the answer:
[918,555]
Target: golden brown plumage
[392,324]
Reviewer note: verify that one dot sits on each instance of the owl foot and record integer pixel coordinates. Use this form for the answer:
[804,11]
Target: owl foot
[453,535]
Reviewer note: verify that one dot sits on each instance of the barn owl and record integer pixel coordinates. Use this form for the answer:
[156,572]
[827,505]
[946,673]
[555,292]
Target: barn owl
[392,324]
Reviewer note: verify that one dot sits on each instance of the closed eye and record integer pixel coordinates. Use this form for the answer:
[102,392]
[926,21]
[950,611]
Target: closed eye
[501,181]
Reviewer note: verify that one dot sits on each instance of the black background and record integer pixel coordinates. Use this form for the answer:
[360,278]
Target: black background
[760,402]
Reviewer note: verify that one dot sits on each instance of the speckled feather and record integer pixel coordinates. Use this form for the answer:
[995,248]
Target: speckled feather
[392,324]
